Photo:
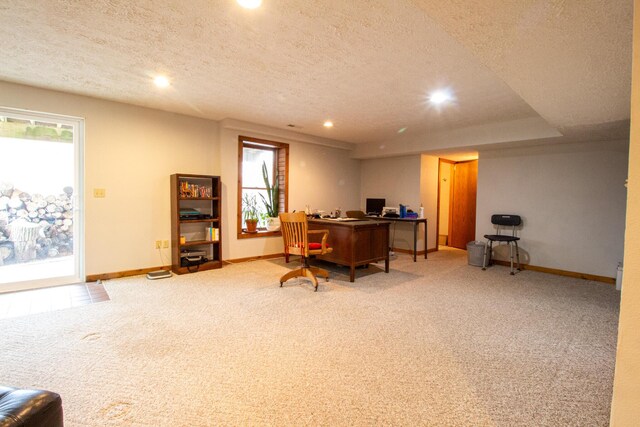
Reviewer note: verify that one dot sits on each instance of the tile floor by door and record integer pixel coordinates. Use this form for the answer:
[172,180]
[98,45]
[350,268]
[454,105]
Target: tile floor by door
[13,304]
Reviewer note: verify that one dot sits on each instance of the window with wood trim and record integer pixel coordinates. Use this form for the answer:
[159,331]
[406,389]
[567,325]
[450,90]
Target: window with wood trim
[252,154]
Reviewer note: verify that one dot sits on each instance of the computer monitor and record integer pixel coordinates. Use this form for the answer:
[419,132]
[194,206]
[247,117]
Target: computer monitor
[374,206]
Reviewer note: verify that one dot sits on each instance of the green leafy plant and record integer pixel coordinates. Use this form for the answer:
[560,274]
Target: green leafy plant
[250,207]
[272,201]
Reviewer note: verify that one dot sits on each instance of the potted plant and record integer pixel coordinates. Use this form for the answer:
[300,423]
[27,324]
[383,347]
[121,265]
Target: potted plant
[272,201]
[250,212]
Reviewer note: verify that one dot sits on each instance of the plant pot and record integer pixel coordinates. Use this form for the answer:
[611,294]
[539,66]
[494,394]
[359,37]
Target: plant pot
[252,225]
[273,224]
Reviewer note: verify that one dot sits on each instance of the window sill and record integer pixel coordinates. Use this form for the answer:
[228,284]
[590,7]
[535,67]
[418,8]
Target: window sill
[261,233]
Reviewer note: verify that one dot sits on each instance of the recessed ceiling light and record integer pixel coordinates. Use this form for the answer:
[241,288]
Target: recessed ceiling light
[401,130]
[439,97]
[161,81]
[250,4]
[328,124]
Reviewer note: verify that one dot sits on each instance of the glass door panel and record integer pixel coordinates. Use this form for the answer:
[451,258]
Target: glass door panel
[40,203]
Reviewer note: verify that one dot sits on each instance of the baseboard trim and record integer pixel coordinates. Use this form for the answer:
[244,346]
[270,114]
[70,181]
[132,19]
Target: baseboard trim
[558,272]
[139,271]
[253,258]
[127,273]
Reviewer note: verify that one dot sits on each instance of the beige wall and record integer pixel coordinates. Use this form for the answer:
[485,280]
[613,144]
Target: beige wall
[472,137]
[445,197]
[130,151]
[398,180]
[321,175]
[571,198]
[429,196]
[625,407]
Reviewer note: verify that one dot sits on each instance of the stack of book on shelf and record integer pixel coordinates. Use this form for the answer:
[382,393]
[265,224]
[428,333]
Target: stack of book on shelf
[212,234]
[188,190]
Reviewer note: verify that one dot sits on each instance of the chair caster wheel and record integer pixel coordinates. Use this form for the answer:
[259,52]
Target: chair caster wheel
[484,268]
[512,273]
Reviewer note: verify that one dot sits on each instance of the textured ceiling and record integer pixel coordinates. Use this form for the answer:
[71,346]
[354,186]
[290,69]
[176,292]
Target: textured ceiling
[569,59]
[368,66]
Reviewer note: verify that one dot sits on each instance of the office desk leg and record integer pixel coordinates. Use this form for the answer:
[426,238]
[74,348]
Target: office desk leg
[425,240]
[386,264]
[415,240]
[352,273]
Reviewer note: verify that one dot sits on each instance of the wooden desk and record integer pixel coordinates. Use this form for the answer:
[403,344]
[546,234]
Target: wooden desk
[415,222]
[355,243]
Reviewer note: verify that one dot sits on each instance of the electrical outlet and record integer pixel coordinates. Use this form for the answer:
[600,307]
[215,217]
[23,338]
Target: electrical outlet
[99,193]
[165,243]
[158,244]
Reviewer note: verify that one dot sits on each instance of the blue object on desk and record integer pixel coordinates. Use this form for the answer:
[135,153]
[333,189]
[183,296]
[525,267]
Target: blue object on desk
[403,211]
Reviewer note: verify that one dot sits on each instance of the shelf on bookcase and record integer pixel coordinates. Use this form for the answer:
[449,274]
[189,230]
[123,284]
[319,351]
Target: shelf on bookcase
[199,242]
[186,221]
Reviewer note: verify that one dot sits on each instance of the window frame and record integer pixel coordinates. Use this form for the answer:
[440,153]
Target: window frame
[281,151]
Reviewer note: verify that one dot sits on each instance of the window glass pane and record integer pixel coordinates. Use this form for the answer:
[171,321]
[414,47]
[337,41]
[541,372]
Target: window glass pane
[38,210]
[253,154]
[252,159]
[259,203]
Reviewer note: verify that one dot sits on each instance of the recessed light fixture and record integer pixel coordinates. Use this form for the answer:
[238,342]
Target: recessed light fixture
[440,97]
[401,130]
[250,4]
[161,81]
[328,124]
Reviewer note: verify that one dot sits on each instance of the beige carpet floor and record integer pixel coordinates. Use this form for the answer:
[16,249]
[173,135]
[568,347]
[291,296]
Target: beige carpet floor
[435,343]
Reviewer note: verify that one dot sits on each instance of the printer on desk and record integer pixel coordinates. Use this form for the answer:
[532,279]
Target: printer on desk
[390,212]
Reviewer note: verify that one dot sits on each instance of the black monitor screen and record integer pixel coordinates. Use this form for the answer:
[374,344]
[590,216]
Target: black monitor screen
[374,206]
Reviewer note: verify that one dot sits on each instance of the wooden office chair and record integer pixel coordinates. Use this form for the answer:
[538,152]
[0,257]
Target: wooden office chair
[512,221]
[355,214]
[295,233]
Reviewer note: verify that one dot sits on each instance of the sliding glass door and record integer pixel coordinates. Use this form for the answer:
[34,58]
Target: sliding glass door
[41,209]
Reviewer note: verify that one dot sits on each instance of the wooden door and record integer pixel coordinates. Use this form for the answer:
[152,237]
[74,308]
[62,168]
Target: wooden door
[462,211]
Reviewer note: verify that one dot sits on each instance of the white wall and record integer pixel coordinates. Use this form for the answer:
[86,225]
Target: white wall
[396,179]
[429,196]
[445,197]
[571,198]
[321,175]
[625,406]
[470,137]
[130,151]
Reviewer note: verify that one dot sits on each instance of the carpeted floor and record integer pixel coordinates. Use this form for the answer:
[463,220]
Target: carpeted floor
[435,342]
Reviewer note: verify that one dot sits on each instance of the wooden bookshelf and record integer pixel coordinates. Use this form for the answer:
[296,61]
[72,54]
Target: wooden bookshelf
[195,217]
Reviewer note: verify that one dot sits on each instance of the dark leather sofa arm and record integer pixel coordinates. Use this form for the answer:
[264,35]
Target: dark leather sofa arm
[30,408]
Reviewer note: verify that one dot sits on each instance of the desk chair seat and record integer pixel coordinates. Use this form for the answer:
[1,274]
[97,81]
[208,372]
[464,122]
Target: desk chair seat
[504,220]
[295,234]
[501,238]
